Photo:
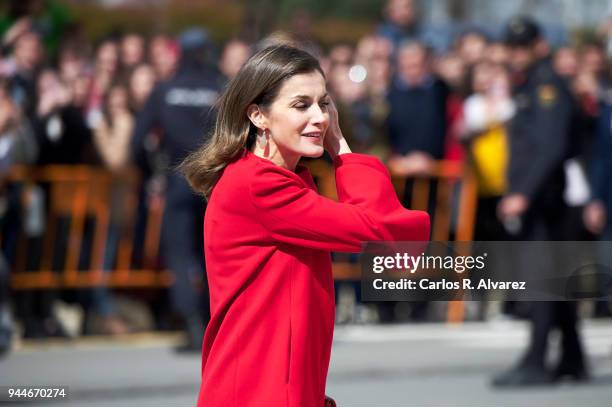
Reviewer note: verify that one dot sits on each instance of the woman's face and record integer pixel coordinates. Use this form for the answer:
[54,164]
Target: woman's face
[452,69]
[141,83]
[483,77]
[298,117]
[472,48]
[592,60]
[132,49]
[106,58]
[234,56]
[565,62]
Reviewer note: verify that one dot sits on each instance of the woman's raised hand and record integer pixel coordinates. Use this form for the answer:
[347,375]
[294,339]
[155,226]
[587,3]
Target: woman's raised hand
[334,141]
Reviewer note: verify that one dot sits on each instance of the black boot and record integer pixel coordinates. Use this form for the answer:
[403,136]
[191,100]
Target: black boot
[573,371]
[523,376]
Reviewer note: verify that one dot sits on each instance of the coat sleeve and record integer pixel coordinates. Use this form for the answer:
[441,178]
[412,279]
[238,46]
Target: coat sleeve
[368,207]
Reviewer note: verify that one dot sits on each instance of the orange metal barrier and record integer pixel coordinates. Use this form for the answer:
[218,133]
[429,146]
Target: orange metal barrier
[82,192]
[79,193]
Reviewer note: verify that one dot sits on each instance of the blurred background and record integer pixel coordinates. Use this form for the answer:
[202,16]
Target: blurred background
[102,290]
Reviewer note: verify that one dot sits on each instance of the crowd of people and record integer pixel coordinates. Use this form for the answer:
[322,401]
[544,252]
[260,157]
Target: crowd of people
[399,97]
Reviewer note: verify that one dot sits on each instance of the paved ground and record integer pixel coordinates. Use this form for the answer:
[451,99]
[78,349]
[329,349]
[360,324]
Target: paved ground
[400,365]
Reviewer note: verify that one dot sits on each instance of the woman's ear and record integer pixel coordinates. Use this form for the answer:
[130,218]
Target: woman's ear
[256,116]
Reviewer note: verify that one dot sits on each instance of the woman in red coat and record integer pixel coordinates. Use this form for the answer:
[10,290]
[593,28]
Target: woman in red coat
[268,234]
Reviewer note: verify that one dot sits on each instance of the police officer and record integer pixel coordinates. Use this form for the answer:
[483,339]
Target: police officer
[533,207]
[181,109]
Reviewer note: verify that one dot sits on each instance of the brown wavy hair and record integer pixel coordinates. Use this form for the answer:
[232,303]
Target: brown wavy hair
[258,82]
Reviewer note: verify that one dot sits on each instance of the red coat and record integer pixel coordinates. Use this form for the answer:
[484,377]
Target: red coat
[268,236]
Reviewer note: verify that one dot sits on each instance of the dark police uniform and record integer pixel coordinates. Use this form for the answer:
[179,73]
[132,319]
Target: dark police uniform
[539,142]
[539,136]
[181,109]
[539,145]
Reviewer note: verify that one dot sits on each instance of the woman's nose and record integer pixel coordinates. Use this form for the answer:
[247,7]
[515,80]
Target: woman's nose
[318,115]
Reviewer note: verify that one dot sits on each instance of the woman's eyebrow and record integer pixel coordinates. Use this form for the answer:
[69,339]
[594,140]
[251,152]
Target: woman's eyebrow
[309,97]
